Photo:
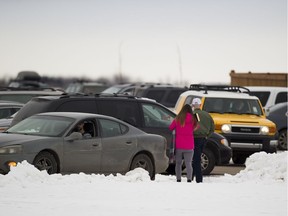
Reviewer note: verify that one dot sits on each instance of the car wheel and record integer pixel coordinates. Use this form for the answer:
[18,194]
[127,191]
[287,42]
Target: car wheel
[239,159]
[143,161]
[207,161]
[282,140]
[46,161]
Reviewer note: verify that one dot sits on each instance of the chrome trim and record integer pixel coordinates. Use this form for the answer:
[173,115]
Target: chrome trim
[246,145]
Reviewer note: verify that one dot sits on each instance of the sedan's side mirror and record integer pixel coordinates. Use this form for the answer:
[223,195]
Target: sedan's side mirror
[74,136]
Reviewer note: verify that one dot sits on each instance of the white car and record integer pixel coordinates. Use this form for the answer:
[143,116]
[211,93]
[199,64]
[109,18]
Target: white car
[269,96]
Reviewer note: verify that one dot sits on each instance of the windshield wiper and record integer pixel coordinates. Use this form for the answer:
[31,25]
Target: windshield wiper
[248,113]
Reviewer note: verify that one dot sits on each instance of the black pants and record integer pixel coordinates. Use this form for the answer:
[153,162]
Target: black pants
[197,170]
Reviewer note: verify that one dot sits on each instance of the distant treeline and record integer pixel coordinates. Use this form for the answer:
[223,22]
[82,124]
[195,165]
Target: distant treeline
[61,82]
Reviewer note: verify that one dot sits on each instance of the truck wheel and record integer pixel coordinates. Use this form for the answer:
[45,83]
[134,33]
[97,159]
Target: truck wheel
[282,141]
[207,161]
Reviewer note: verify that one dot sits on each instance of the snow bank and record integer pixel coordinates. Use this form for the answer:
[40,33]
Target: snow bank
[260,167]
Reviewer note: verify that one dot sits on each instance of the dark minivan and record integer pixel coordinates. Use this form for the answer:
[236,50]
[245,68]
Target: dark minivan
[144,114]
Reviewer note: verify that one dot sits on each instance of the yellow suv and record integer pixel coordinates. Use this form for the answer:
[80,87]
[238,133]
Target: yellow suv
[239,117]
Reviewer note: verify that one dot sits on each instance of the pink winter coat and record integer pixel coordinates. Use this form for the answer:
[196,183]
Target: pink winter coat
[184,134]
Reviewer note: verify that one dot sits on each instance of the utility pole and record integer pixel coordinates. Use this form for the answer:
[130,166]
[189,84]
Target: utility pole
[120,61]
[179,63]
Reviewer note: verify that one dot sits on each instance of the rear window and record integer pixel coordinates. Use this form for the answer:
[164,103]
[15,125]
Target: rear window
[34,106]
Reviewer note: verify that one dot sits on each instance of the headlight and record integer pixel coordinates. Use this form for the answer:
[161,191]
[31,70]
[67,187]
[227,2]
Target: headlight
[15,149]
[226,128]
[264,130]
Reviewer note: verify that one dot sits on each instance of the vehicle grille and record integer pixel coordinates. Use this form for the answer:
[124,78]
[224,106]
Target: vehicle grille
[245,129]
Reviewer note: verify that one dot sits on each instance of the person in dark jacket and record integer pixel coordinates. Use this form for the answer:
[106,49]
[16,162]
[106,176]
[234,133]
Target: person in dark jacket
[205,129]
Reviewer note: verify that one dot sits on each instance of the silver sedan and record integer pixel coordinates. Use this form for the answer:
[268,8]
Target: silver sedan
[66,142]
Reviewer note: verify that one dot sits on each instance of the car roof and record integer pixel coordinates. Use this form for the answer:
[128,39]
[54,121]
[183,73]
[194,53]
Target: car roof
[76,115]
[34,92]
[219,94]
[85,96]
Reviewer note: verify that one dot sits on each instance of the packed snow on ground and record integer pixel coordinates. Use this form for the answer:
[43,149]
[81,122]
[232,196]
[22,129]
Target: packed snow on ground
[259,189]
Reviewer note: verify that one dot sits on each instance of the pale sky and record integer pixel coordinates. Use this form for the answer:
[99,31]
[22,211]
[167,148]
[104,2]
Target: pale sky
[175,41]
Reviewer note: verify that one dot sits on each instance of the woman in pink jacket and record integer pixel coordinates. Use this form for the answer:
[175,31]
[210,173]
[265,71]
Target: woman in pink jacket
[184,125]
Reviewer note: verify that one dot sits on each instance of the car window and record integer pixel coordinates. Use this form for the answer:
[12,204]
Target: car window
[87,128]
[155,94]
[189,99]
[262,95]
[173,96]
[111,128]
[231,105]
[87,106]
[42,126]
[6,112]
[127,111]
[281,97]
[156,116]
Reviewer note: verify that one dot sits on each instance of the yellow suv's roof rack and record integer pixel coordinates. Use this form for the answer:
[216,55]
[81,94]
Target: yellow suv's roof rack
[200,87]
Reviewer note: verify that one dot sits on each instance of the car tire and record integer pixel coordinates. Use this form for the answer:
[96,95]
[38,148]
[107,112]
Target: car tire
[144,161]
[207,161]
[239,159]
[46,161]
[282,140]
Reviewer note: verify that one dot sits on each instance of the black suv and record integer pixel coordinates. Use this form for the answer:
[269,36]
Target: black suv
[165,95]
[145,114]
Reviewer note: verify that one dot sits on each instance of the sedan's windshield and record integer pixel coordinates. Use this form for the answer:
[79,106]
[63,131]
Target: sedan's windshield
[231,105]
[52,126]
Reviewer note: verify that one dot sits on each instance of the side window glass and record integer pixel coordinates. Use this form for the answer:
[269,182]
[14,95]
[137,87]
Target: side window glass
[4,113]
[263,96]
[122,109]
[173,97]
[88,106]
[87,129]
[281,97]
[111,128]
[156,116]
[156,95]
[189,99]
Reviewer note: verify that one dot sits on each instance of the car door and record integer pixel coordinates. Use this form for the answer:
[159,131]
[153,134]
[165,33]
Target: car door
[83,155]
[157,120]
[117,146]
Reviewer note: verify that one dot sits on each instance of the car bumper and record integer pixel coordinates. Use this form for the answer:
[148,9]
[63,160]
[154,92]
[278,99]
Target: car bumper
[251,143]
[161,163]
[6,159]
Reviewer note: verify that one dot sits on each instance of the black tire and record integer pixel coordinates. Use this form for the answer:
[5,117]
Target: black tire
[46,161]
[144,161]
[282,140]
[239,159]
[207,161]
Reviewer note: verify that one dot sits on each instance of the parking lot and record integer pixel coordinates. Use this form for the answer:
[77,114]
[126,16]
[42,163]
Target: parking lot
[229,169]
